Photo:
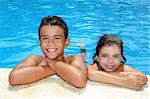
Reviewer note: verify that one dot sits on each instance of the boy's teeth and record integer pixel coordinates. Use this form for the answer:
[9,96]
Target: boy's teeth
[51,50]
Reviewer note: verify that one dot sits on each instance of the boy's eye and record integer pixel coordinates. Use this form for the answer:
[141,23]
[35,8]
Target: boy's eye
[44,38]
[57,38]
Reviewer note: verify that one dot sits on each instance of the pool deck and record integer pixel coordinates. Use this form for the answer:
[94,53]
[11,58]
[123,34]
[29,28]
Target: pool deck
[55,88]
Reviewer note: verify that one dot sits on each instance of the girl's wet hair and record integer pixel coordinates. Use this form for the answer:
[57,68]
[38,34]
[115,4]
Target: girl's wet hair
[54,20]
[108,39]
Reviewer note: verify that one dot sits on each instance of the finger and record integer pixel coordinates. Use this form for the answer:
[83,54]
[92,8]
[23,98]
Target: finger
[138,88]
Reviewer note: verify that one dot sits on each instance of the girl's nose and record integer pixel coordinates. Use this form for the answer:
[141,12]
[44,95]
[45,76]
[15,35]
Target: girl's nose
[110,60]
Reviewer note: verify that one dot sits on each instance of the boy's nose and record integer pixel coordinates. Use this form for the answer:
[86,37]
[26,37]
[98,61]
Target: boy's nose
[50,43]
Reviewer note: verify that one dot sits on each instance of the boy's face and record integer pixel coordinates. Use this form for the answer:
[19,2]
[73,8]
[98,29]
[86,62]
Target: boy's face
[110,57]
[52,41]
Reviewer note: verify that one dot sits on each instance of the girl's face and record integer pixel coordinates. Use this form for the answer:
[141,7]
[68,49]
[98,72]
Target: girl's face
[110,57]
[52,41]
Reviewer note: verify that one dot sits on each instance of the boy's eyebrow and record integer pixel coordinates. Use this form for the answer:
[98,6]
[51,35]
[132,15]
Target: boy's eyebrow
[58,35]
[54,35]
[107,53]
[43,35]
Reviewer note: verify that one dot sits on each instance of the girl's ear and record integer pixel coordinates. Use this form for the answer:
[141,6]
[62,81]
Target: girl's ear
[67,42]
[97,58]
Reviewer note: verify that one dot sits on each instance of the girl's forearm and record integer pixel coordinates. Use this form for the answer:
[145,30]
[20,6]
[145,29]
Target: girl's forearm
[100,76]
[132,81]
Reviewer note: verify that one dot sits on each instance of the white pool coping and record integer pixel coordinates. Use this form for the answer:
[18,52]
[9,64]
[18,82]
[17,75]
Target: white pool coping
[55,88]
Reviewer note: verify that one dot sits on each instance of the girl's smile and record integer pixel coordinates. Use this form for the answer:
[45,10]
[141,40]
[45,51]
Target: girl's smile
[109,57]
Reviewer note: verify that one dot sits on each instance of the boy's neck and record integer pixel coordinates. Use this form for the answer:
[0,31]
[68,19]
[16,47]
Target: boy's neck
[61,58]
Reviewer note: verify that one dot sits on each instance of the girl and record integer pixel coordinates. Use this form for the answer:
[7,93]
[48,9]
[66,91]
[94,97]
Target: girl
[109,67]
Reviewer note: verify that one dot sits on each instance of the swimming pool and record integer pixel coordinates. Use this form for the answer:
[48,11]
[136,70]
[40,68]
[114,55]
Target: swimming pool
[87,21]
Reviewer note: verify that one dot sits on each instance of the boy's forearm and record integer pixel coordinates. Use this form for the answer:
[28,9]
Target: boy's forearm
[71,74]
[28,75]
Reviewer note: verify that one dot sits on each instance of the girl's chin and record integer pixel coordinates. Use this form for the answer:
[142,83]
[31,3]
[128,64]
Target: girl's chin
[109,70]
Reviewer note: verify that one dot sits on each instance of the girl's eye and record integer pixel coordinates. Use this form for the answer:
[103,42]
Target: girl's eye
[103,55]
[116,56]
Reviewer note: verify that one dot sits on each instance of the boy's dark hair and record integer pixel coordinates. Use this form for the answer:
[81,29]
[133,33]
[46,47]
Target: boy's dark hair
[54,20]
[108,39]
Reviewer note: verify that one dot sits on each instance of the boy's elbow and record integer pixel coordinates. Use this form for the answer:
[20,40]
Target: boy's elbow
[80,82]
[13,80]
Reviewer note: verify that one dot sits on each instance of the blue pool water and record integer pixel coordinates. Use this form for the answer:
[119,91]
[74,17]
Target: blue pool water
[87,21]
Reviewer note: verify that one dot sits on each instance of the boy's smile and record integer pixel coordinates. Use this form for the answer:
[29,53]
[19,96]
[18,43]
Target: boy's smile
[52,41]
[51,50]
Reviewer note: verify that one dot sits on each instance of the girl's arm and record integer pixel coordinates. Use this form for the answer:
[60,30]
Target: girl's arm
[128,70]
[133,82]
[28,71]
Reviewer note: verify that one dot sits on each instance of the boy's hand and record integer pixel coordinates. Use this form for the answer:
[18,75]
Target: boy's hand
[51,63]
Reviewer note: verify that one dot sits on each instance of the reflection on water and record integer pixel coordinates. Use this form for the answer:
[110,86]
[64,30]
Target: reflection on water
[87,21]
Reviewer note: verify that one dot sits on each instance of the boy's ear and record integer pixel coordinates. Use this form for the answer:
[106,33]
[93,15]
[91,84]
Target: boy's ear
[67,42]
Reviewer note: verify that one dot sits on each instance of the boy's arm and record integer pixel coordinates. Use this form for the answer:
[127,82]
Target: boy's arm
[74,73]
[28,71]
[134,82]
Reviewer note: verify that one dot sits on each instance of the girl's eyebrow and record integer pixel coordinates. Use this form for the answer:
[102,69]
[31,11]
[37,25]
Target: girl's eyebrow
[117,54]
[103,53]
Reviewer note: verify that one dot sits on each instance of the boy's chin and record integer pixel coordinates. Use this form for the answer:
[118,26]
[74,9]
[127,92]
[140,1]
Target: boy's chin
[51,58]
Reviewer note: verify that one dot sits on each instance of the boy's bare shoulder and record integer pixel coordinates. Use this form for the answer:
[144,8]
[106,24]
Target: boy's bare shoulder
[76,56]
[72,58]
[34,57]
[30,60]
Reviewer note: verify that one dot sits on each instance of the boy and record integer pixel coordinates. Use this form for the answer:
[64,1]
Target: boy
[53,33]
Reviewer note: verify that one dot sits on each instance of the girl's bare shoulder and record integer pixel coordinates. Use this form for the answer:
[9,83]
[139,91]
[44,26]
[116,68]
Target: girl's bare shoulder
[93,66]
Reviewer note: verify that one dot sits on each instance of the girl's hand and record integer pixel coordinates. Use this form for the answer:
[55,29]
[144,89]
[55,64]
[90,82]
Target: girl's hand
[135,81]
[143,77]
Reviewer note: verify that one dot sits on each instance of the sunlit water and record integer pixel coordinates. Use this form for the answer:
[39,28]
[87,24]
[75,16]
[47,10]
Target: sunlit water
[87,21]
